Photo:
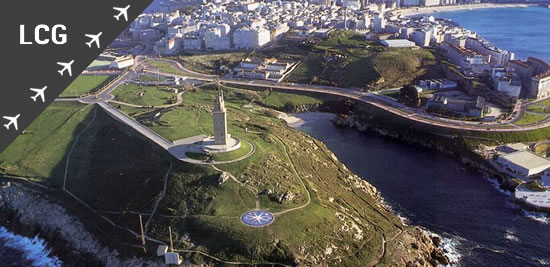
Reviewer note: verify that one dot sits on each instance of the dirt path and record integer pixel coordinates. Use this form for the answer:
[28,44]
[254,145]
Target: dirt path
[160,199]
[306,190]
[179,101]
[73,146]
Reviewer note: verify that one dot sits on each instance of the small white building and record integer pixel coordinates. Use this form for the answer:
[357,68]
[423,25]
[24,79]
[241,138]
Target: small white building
[172,258]
[398,43]
[161,250]
[524,163]
[122,62]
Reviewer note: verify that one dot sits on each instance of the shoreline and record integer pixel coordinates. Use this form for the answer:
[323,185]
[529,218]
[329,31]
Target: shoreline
[447,243]
[27,212]
[415,11]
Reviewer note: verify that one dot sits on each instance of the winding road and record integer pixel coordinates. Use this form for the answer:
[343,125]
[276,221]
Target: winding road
[373,99]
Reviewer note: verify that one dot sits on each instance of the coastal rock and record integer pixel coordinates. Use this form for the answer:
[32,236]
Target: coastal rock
[286,197]
[436,240]
[438,255]
[222,178]
[266,191]
[36,214]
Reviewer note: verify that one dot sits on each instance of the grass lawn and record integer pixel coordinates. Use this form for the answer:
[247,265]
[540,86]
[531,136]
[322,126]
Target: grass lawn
[545,103]
[150,78]
[279,99]
[164,66]
[529,118]
[40,153]
[537,108]
[308,70]
[143,95]
[85,84]
[185,121]
[226,156]
[211,63]
[241,152]
[100,63]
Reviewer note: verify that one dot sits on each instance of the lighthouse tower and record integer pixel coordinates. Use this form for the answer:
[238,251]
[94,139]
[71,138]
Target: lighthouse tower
[220,121]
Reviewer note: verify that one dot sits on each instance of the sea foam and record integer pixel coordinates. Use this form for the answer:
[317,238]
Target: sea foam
[35,249]
[537,216]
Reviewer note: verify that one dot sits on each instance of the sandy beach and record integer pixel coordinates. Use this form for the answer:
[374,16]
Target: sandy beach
[413,11]
[291,120]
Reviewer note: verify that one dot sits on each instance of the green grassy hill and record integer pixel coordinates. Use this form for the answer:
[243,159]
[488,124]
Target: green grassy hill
[144,95]
[346,59]
[333,218]
[210,63]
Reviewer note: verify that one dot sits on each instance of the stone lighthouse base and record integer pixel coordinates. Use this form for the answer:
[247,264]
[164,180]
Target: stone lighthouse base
[208,145]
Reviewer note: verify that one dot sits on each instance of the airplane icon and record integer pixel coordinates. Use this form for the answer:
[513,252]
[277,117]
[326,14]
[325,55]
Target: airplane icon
[39,93]
[94,39]
[66,67]
[122,11]
[12,121]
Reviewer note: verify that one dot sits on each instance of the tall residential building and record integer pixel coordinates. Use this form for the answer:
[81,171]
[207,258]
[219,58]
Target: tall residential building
[411,3]
[498,56]
[379,24]
[422,38]
[248,38]
[432,2]
[535,76]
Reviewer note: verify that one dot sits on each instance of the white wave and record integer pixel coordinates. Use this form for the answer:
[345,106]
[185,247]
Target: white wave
[496,185]
[404,220]
[537,216]
[35,249]
[389,208]
[511,235]
[450,246]
[542,262]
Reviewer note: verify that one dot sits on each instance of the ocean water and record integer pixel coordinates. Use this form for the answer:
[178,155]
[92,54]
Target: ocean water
[479,223]
[524,31]
[17,250]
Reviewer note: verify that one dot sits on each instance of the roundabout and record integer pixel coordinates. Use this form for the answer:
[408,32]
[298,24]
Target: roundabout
[257,218]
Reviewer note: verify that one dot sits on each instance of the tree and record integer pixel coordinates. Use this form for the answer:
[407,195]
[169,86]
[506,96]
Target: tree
[409,95]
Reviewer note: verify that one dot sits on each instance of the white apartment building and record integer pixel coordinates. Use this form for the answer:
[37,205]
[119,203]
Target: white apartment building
[192,42]
[215,40]
[247,38]
[432,2]
[411,3]
[379,24]
[422,38]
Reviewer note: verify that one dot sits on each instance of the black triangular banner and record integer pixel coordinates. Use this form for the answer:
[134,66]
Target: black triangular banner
[40,39]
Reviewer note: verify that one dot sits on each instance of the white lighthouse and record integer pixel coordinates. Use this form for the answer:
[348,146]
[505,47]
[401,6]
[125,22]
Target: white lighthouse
[222,141]
[220,121]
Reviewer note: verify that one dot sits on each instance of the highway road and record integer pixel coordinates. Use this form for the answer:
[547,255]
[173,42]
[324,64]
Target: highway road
[380,101]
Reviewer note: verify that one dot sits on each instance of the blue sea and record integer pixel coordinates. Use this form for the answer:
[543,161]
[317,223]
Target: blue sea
[479,223]
[523,31]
